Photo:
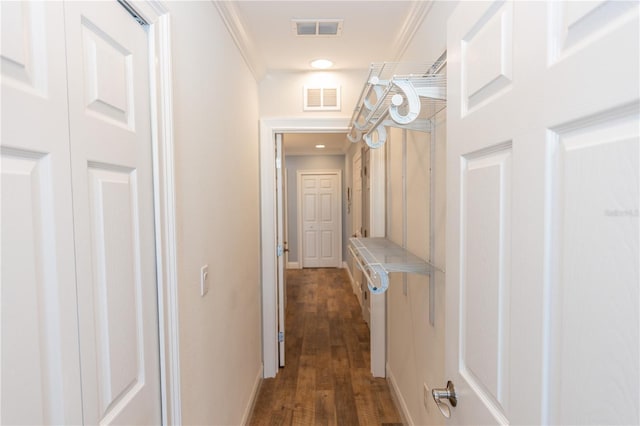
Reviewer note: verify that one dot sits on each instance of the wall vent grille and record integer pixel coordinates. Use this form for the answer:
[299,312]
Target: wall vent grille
[321,98]
[316,27]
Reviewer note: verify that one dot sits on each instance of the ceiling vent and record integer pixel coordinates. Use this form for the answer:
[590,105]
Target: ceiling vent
[316,27]
[321,98]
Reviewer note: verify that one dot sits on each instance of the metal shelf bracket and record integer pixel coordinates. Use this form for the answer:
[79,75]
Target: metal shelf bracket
[397,95]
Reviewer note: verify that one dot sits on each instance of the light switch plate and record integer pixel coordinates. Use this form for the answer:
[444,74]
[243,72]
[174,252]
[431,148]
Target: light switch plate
[204,280]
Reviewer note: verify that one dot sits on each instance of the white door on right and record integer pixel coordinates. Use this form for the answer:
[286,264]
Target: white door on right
[542,204]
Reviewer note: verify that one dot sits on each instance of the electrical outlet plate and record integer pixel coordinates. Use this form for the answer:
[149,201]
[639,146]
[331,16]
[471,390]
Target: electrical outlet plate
[427,396]
[204,280]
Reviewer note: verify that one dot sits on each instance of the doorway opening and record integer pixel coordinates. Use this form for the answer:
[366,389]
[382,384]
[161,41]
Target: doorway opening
[273,248]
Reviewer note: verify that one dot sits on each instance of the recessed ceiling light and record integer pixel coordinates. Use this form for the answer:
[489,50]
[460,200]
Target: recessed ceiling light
[321,64]
[319,146]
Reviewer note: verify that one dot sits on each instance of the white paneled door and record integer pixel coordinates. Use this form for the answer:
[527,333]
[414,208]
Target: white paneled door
[280,252]
[113,213]
[79,301]
[321,219]
[40,360]
[542,205]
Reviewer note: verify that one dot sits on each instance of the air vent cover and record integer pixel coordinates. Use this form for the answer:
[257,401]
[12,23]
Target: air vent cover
[321,98]
[316,27]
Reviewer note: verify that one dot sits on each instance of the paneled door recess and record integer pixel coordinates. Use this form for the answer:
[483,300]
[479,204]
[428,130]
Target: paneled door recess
[320,217]
[542,204]
[79,299]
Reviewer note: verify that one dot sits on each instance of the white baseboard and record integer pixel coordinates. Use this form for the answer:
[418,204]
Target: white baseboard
[254,396]
[354,286]
[346,266]
[398,399]
[293,265]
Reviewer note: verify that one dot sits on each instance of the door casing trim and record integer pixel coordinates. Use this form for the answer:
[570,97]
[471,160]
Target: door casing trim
[268,128]
[157,16]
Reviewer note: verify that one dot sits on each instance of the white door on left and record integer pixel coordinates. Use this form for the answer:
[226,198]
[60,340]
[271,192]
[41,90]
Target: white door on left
[280,232]
[79,302]
[40,361]
[109,118]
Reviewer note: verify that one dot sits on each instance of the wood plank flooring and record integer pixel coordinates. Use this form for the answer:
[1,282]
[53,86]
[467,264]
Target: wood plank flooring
[327,378]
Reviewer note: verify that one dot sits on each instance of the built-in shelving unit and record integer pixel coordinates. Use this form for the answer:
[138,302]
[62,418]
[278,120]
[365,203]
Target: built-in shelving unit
[407,96]
[398,95]
[377,257]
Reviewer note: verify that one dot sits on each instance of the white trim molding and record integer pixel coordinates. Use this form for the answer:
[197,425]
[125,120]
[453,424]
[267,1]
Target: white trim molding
[397,397]
[415,18]
[268,128]
[248,411]
[237,29]
[158,18]
[293,265]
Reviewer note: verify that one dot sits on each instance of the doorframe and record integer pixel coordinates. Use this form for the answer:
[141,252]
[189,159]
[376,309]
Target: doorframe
[268,128]
[157,16]
[299,175]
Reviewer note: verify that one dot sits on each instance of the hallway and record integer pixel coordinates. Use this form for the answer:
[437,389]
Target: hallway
[327,378]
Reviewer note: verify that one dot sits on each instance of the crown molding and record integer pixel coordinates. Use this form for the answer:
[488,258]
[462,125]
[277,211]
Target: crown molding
[237,29]
[415,18]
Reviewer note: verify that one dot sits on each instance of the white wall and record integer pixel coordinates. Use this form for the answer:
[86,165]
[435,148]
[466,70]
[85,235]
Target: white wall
[415,353]
[415,349]
[282,94]
[216,151]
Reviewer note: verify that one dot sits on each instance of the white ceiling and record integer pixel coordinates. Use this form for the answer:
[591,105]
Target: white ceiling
[304,143]
[372,31]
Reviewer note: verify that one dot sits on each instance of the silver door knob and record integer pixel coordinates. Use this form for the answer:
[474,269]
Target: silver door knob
[439,395]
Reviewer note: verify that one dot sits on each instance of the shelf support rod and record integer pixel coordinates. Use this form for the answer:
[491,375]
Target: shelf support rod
[432,222]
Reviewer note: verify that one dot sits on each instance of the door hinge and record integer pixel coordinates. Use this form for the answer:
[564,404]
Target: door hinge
[280,250]
[280,337]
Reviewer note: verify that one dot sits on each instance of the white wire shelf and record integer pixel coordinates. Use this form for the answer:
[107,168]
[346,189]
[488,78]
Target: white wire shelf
[398,95]
[377,257]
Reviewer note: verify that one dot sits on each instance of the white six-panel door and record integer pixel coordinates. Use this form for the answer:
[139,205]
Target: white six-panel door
[113,211]
[542,205]
[79,308]
[321,219]
[40,360]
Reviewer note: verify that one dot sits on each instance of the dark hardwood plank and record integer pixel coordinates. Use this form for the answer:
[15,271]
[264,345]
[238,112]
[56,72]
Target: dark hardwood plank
[281,417]
[264,404]
[325,408]
[384,401]
[346,410]
[365,405]
[327,379]
[305,407]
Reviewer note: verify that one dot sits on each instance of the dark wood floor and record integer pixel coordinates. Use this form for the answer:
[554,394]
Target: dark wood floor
[327,378]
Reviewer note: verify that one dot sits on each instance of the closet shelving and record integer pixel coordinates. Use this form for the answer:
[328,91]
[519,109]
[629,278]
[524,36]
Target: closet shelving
[397,95]
[377,257]
[407,96]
